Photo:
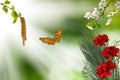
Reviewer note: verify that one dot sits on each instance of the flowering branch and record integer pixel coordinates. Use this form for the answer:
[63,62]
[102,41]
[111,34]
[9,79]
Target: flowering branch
[106,7]
[95,15]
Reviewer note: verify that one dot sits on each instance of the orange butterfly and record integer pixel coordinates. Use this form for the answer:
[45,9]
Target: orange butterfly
[52,41]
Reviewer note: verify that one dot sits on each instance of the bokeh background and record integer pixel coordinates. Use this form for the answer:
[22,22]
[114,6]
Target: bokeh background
[39,61]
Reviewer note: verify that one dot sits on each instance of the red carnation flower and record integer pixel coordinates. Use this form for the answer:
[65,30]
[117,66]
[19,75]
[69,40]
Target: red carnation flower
[109,52]
[110,65]
[101,39]
[103,69]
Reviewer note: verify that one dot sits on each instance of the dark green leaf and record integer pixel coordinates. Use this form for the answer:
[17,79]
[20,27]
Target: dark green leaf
[7,2]
[5,9]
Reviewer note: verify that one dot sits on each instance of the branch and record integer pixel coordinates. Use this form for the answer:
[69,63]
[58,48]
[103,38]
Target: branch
[6,6]
[106,7]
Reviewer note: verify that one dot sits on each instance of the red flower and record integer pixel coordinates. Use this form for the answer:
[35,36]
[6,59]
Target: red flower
[110,65]
[103,69]
[109,52]
[101,39]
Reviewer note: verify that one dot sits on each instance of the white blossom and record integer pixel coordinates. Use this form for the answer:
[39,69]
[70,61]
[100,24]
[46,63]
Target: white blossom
[108,21]
[95,14]
[102,4]
[88,15]
[117,4]
[112,13]
[89,27]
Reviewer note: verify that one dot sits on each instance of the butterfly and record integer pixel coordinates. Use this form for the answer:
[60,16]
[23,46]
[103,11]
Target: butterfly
[52,41]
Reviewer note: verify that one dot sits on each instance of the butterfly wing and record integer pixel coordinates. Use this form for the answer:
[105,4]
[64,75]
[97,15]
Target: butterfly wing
[58,35]
[50,41]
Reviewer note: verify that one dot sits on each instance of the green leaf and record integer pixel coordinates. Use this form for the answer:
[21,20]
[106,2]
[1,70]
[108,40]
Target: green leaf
[98,25]
[7,2]
[91,24]
[14,15]
[5,9]
[12,7]
[15,19]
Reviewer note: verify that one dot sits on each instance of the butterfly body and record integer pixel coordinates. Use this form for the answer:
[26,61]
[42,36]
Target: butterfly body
[52,41]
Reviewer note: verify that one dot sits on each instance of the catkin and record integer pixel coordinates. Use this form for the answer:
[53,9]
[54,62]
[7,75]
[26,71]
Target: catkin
[23,30]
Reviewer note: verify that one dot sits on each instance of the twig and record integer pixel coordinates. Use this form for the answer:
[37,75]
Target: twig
[6,6]
[106,7]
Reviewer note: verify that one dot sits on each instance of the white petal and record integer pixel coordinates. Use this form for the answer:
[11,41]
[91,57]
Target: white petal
[108,21]
[87,15]
[89,27]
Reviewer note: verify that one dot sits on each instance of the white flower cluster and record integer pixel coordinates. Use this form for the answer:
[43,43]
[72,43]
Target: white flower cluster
[94,14]
[102,4]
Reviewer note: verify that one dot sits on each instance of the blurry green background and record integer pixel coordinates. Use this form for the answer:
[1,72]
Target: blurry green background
[39,61]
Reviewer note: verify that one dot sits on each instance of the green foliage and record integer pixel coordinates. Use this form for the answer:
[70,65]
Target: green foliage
[24,66]
[5,9]
[98,25]
[92,24]
[92,54]
[7,2]
[14,13]
[29,72]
